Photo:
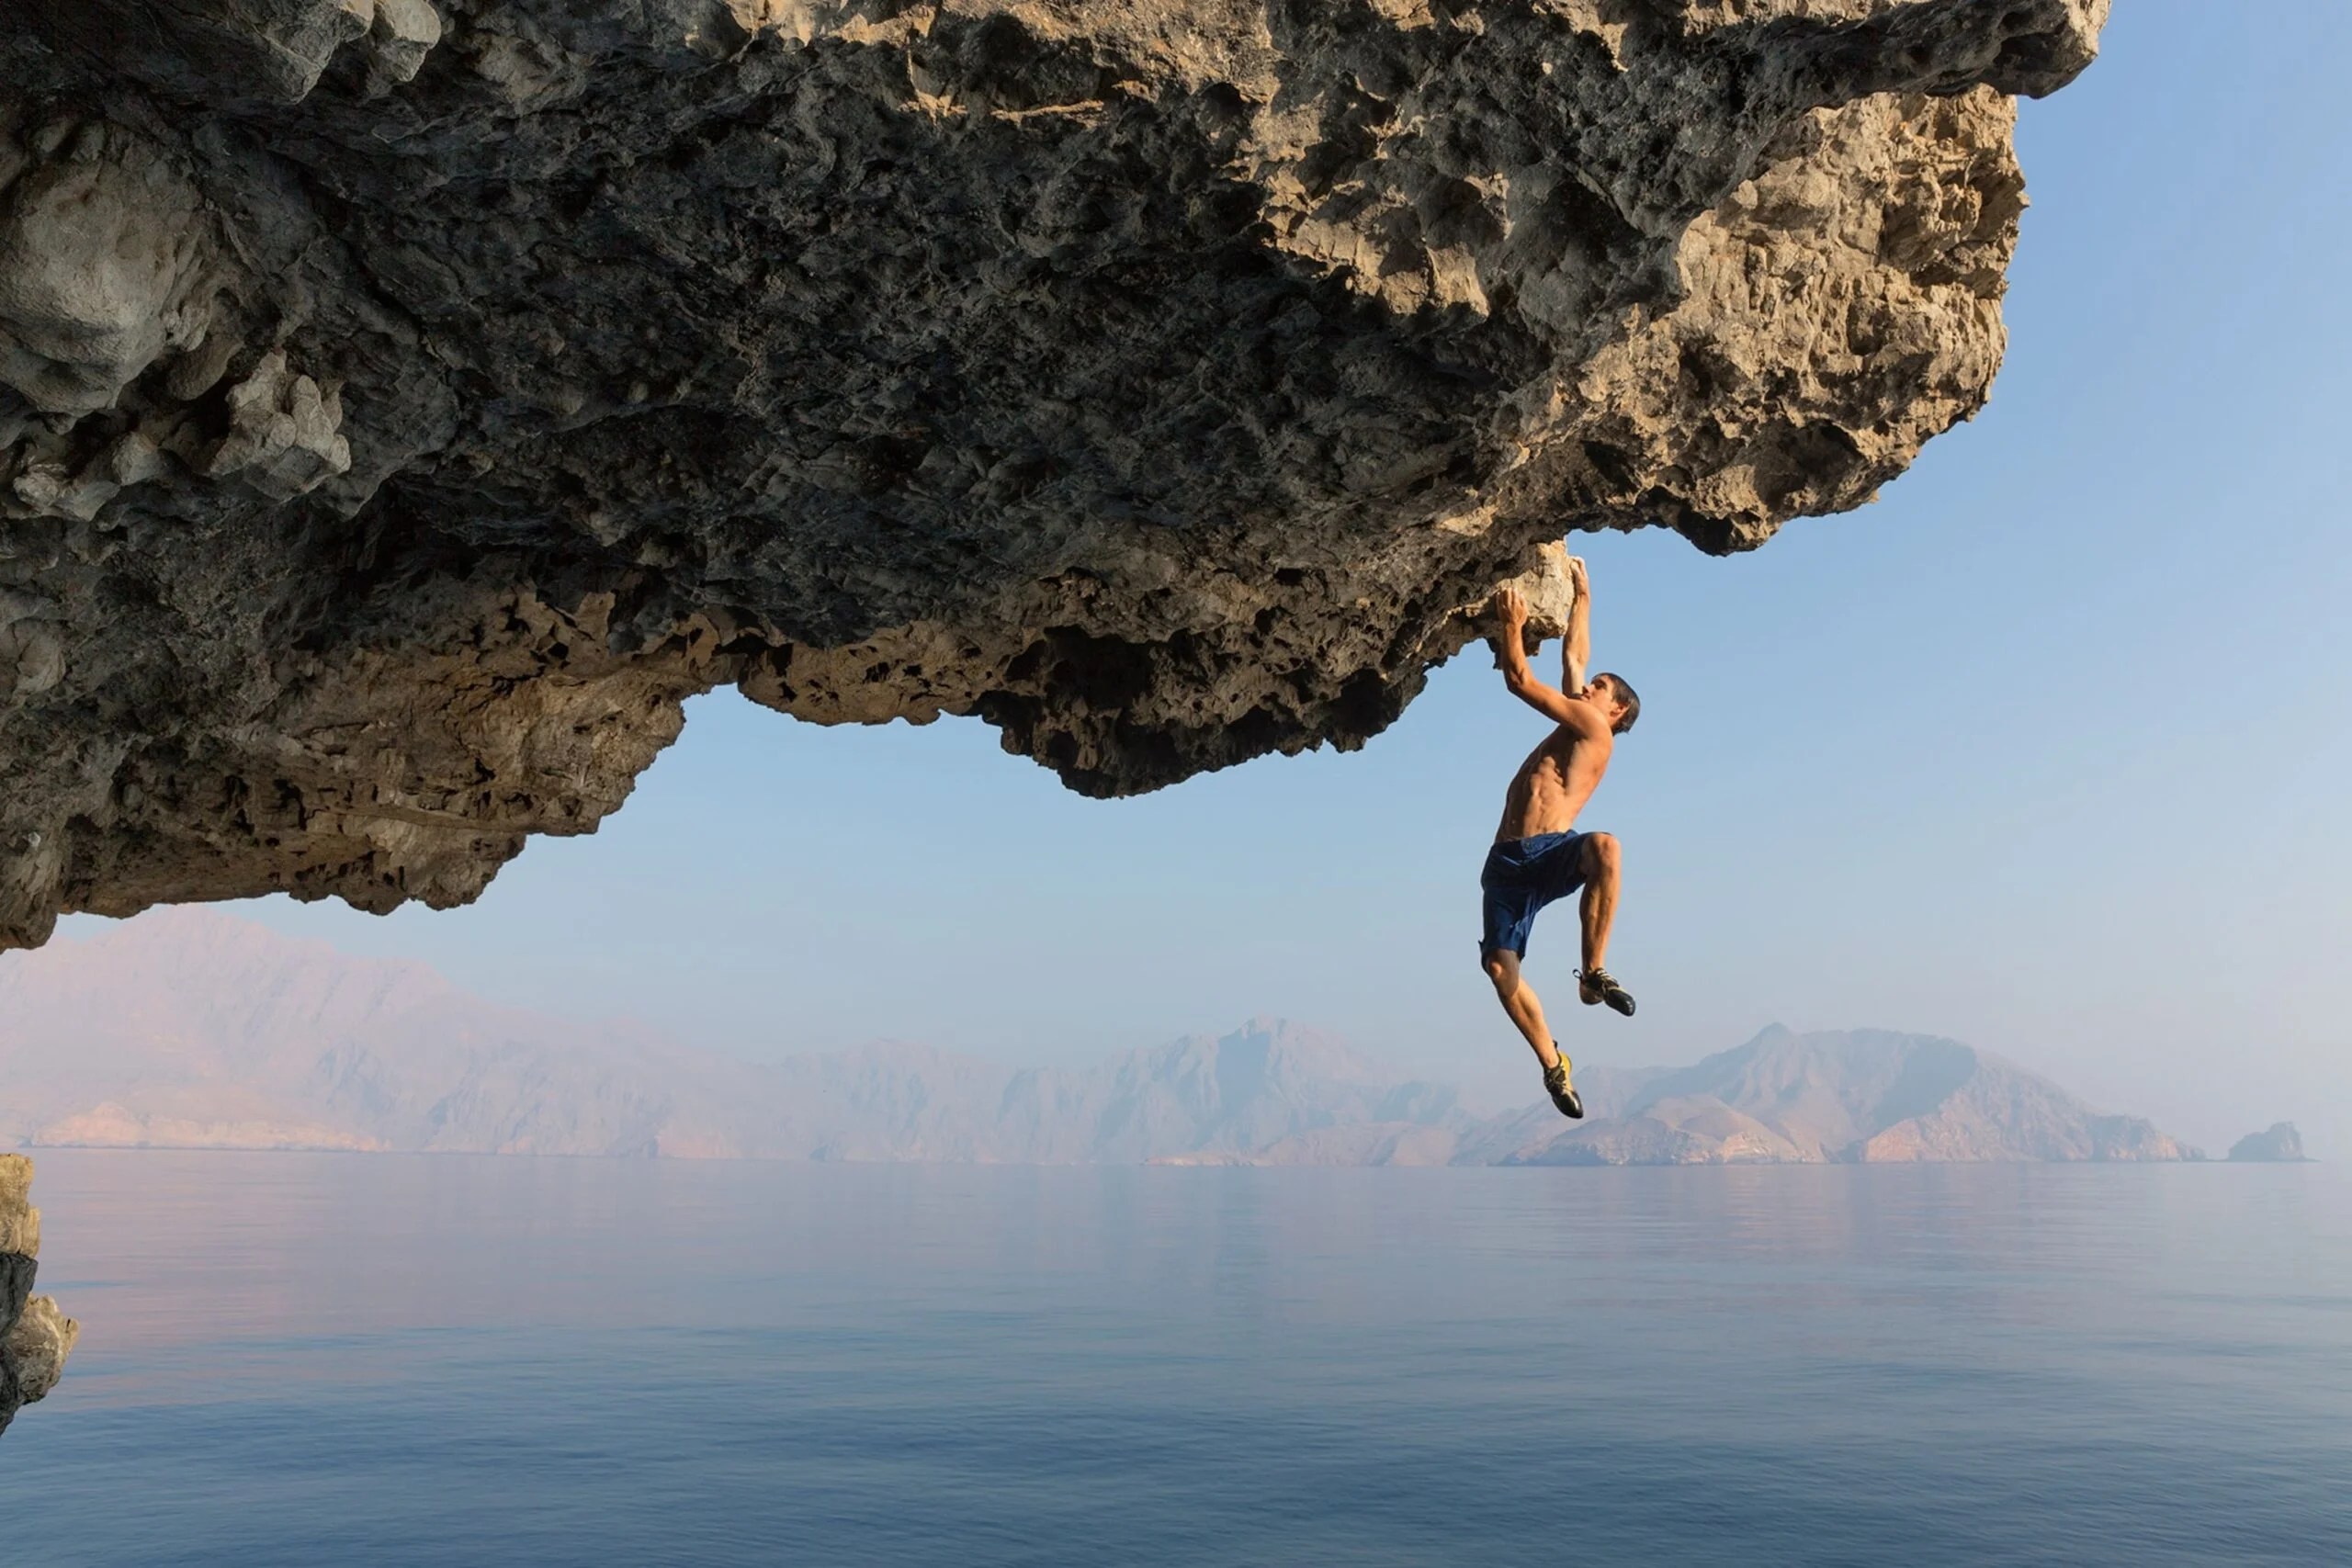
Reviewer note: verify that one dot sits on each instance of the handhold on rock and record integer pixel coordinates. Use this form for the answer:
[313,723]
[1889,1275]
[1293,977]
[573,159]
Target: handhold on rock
[282,437]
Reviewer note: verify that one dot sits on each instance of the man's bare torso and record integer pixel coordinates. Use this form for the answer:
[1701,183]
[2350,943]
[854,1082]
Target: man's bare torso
[1555,781]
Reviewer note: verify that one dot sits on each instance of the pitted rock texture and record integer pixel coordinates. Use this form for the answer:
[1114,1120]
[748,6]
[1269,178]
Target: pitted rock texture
[405,406]
[35,1337]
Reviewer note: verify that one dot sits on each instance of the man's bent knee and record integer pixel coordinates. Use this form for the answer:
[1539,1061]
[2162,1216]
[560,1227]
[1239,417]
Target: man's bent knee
[1502,967]
[1601,851]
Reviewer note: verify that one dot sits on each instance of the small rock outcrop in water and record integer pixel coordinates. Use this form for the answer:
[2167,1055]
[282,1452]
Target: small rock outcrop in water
[2281,1144]
[35,1337]
[406,404]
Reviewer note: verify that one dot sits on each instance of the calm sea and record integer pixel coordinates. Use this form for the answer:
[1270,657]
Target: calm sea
[370,1360]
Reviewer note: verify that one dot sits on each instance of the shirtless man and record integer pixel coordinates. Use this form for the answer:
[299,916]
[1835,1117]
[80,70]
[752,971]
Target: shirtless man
[1538,856]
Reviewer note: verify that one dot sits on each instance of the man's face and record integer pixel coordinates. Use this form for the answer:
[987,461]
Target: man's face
[1602,692]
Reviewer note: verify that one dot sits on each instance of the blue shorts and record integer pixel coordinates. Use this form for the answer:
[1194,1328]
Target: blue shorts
[1521,876]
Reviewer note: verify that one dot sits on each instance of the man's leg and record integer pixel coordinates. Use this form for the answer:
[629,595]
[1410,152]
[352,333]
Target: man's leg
[1599,907]
[1519,999]
[1597,858]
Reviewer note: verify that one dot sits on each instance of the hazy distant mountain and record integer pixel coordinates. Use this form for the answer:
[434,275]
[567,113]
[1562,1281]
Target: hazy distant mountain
[187,1028]
[1861,1096]
[1865,1095]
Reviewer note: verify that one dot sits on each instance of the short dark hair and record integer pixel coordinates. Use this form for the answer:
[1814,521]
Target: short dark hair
[1626,695]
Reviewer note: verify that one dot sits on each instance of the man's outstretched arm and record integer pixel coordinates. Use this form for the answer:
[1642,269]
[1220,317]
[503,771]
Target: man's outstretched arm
[1556,705]
[1575,648]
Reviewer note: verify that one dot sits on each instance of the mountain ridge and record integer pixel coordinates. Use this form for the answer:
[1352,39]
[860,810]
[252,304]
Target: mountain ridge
[189,1028]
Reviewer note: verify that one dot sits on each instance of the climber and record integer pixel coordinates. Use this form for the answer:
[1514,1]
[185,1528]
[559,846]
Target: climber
[1538,856]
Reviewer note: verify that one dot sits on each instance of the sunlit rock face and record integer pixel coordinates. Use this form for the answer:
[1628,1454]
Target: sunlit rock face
[35,1337]
[404,406]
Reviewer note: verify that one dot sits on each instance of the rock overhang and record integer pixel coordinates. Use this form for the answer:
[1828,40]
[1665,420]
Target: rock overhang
[404,407]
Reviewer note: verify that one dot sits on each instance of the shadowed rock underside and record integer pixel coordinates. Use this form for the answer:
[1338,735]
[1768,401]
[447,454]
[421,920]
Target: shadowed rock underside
[405,406]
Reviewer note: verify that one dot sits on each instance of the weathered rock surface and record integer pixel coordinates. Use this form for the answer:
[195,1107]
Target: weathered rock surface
[35,1337]
[2281,1144]
[404,406]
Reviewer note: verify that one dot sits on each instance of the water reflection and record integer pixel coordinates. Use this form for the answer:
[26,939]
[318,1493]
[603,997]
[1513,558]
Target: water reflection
[898,1363]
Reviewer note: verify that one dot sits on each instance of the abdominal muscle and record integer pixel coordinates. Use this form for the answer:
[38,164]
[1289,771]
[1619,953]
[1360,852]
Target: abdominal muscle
[1552,786]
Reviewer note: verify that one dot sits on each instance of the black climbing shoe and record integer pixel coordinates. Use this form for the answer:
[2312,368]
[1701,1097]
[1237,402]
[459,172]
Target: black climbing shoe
[1555,1084]
[1597,986]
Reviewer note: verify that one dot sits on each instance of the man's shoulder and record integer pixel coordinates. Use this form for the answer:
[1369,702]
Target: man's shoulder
[1583,721]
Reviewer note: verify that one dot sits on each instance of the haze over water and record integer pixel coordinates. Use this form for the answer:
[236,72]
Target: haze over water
[295,1359]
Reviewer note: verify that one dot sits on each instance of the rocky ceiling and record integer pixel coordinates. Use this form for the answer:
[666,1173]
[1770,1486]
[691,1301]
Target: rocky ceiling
[405,406]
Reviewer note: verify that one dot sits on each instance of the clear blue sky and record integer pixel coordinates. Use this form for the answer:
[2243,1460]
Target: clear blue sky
[2047,750]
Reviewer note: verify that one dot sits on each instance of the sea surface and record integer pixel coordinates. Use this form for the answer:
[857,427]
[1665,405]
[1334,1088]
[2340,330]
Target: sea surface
[381,1359]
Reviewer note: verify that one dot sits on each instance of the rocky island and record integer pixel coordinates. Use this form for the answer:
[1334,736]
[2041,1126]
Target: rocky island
[2281,1145]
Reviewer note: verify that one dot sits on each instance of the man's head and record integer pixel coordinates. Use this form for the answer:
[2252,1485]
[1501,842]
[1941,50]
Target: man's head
[1616,698]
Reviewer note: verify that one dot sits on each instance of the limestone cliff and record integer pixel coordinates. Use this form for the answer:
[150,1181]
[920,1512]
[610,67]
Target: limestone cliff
[406,404]
[35,1337]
